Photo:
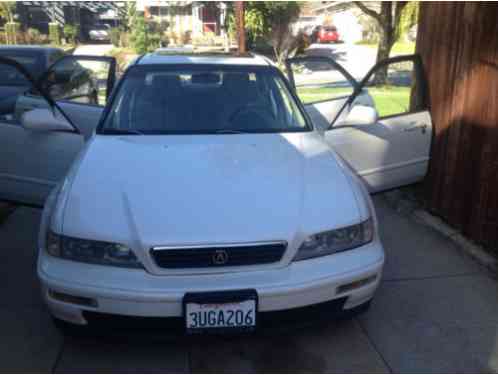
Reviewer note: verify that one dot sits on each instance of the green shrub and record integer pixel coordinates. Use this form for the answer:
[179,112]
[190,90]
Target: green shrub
[186,37]
[12,32]
[33,36]
[54,33]
[71,32]
[164,40]
[115,34]
[143,38]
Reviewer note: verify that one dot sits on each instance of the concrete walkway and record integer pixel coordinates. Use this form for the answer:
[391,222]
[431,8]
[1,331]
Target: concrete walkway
[436,311]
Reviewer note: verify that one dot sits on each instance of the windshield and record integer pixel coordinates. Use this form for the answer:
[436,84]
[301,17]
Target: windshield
[203,100]
[10,76]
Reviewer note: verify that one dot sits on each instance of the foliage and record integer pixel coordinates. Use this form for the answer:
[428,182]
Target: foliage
[270,20]
[123,57]
[54,33]
[143,37]
[388,19]
[7,10]
[12,32]
[71,32]
[186,37]
[115,35]
[371,29]
[129,15]
[33,36]
[206,39]
[409,18]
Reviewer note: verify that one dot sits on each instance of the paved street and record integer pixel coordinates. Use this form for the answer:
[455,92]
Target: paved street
[436,311]
[100,49]
[356,59]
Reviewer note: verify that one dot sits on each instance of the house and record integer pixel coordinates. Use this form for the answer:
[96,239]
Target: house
[195,17]
[38,14]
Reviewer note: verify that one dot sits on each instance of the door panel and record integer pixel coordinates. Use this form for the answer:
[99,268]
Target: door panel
[32,162]
[395,150]
[391,153]
[85,117]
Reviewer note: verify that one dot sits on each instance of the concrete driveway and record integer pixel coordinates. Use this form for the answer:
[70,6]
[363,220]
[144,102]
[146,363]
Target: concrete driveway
[93,49]
[436,311]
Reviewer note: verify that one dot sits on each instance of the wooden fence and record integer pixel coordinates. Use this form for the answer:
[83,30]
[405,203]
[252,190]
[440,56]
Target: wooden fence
[458,42]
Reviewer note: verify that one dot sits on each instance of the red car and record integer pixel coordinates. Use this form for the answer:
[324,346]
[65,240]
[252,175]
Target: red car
[325,34]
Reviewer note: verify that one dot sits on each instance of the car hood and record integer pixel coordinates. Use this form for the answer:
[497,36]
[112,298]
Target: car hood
[172,190]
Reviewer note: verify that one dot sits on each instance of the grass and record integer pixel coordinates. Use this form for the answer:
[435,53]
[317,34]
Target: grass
[389,100]
[315,94]
[399,48]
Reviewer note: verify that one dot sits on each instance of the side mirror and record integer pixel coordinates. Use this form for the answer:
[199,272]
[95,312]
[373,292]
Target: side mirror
[360,115]
[42,119]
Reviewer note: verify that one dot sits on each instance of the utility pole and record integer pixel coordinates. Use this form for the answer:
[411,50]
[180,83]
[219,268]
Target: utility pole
[239,20]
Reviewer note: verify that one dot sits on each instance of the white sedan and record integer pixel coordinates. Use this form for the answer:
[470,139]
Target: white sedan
[207,192]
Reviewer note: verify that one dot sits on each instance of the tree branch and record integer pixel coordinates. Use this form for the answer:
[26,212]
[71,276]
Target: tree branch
[370,12]
[398,10]
[400,5]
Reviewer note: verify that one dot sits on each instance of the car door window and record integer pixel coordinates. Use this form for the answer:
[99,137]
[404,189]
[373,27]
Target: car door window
[394,149]
[318,79]
[393,88]
[78,81]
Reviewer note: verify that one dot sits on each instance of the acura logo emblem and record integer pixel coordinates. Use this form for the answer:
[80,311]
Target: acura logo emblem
[220,257]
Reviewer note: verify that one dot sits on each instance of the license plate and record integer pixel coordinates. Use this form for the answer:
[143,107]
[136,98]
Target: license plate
[220,311]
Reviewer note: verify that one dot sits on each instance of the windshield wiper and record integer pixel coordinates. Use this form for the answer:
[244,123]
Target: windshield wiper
[120,131]
[229,131]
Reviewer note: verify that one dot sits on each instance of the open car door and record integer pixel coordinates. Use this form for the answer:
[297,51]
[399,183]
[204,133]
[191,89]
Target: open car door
[43,129]
[383,129]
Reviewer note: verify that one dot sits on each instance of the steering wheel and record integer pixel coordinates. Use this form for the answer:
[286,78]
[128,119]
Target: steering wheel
[258,112]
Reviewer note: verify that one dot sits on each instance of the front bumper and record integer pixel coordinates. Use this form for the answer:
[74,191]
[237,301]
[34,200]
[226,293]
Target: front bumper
[137,293]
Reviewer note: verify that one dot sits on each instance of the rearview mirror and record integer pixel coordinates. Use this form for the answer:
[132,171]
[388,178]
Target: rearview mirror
[42,119]
[360,115]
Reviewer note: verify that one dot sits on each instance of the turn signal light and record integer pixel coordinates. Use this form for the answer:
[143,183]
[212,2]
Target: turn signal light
[67,298]
[356,284]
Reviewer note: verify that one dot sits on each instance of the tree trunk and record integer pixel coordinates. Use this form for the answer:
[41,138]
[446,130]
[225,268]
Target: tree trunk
[241,32]
[385,44]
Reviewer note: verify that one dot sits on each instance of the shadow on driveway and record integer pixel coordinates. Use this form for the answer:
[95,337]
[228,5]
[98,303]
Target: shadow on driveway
[435,311]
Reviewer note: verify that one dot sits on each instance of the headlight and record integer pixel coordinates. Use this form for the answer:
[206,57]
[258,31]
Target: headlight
[333,241]
[87,251]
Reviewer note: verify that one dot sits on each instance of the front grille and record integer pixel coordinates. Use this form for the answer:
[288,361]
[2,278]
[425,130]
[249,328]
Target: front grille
[218,256]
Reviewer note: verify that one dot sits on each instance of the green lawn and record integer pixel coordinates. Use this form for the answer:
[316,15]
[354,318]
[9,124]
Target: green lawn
[388,100]
[399,48]
[315,94]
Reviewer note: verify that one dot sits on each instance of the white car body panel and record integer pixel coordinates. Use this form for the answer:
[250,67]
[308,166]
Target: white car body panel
[35,161]
[235,181]
[391,153]
[146,191]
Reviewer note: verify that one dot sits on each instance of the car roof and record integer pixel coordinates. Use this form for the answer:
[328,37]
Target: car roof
[176,56]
